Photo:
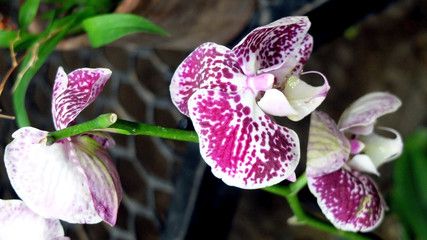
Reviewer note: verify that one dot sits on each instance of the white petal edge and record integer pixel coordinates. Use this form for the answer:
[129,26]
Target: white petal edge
[382,149]
[303,97]
[364,111]
[275,103]
[328,149]
[46,180]
[363,163]
[17,221]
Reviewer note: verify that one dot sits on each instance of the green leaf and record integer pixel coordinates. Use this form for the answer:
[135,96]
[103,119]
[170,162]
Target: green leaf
[107,28]
[409,195]
[37,54]
[6,37]
[27,13]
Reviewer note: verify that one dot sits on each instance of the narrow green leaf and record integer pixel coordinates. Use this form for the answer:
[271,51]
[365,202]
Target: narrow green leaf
[410,186]
[6,37]
[27,13]
[107,28]
[36,55]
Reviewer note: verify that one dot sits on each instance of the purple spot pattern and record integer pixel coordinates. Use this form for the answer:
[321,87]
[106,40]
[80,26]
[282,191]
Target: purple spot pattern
[213,87]
[243,145]
[270,45]
[349,199]
[73,93]
[210,66]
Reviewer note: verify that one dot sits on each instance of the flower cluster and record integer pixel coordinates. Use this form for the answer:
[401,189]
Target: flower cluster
[73,179]
[228,93]
[337,154]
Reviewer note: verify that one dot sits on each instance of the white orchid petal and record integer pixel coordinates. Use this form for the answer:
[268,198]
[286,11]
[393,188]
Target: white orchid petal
[303,97]
[328,149]
[17,221]
[275,103]
[365,111]
[363,163]
[382,149]
[292,177]
[45,178]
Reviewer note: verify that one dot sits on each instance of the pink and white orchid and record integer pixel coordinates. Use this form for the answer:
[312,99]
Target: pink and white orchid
[228,93]
[17,221]
[73,179]
[337,154]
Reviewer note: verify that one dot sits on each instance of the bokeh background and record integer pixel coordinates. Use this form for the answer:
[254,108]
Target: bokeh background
[360,46]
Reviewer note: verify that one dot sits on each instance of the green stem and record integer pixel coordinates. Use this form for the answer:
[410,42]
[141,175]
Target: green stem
[109,123]
[101,122]
[291,195]
[137,128]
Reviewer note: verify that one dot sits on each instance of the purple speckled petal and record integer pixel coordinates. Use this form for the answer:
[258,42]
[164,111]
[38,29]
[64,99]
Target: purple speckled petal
[73,93]
[17,221]
[359,117]
[272,44]
[328,149]
[348,199]
[382,149]
[303,97]
[46,179]
[210,66]
[101,174]
[244,147]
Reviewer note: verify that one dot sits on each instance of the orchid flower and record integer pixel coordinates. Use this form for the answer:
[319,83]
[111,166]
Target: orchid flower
[17,221]
[228,93]
[338,154]
[73,179]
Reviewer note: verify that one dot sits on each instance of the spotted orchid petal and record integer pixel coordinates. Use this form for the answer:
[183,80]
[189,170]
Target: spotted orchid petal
[71,180]
[74,92]
[17,221]
[382,149]
[210,66]
[328,149]
[348,199]
[273,44]
[243,146]
[303,97]
[361,115]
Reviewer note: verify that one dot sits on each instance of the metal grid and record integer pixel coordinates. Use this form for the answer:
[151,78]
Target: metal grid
[148,166]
